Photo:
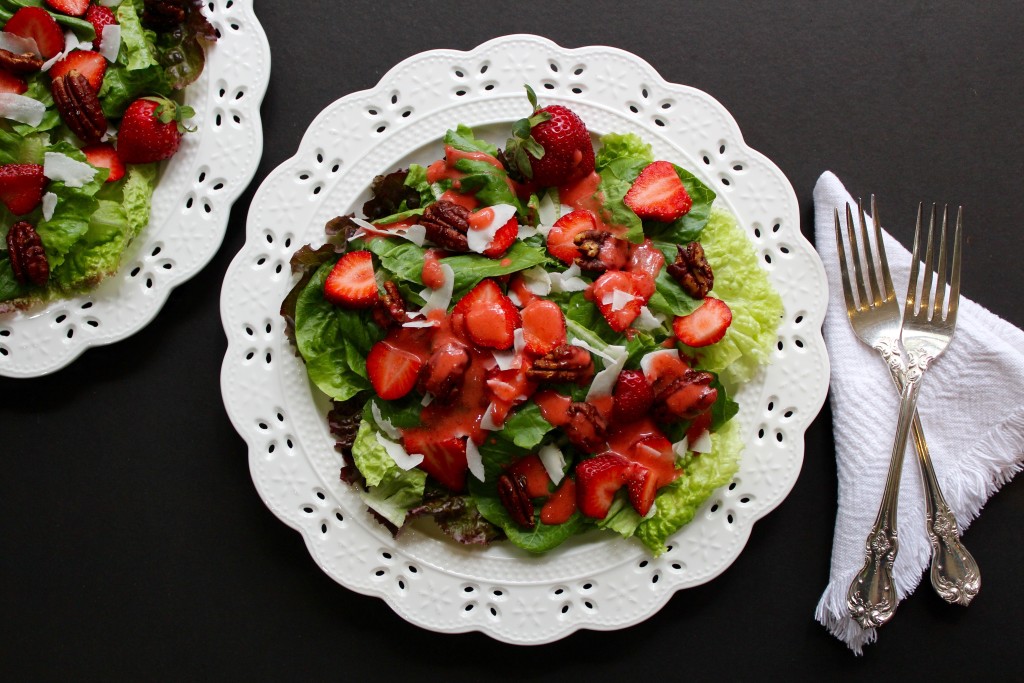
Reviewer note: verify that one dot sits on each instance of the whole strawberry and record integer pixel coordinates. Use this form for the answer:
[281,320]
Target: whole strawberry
[552,147]
[151,130]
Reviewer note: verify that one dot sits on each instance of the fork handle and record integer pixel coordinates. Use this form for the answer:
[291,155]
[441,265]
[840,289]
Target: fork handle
[954,574]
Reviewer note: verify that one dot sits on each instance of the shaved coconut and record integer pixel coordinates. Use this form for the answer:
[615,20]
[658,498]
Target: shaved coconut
[438,299]
[537,280]
[402,458]
[584,345]
[518,340]
[568,281]
[110,42]
[57,166]
[527,231]
[653,511]
[427,399]
[505,359]
[384,424]
[647,320]
[21,108]
[554,462]
[18,45]
[702,444]
[514,298]
[565,209]
[421,323]
[648,360]
[604,381]
[487,422]
[680,447]
[72,43]
[473,459]
[49,204]
[416,234]
[547,211]
[478,239]
[617,299]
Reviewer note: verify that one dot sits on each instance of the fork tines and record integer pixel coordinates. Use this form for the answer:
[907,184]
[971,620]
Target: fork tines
[877,290]
[917,300]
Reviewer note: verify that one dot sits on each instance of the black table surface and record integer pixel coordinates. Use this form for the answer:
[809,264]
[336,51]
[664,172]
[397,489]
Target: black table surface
[133,543]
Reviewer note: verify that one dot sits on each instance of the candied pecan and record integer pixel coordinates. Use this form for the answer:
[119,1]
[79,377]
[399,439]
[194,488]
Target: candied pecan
[27,256]
[19,64]
[79,106]
[590,243]
[442,374]
[566,363]
[446,224]
[586,428]
[692,270]
[163,15]
[390,309]
[513,495]
[684,398]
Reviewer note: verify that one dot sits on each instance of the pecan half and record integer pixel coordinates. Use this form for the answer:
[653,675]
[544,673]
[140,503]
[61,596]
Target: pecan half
[79,106]
[390,309]
[684,398]
[19,64]
[446,224]
[589,243]
[513,495]
[692,270]
[566,363]
[27,255]
[443,372]
[587,429]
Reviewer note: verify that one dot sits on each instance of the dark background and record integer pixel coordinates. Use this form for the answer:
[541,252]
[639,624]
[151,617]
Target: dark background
[133,544]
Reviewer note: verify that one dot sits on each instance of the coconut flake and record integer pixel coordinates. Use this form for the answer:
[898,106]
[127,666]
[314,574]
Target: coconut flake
[568,281]
[21,108]
[518,340]
[554,462]
[527,231]
[18,45]
[653,511]
[617,299]
[421,323]
[382,422]
[537,280]
[473,459]
[505,359]
[402,458]
[57,166]
[49,204]
[427,399]
[478,239]
[584,345]
[416,234]
[604,381]
[702,444]
[547,210]
[487,422]
[110,42]
[648,360]
[681,447]
[647,320]
[438,299]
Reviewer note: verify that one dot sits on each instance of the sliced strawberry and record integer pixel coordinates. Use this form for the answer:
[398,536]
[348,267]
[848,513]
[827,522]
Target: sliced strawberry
[704,326]
[90,64]
[103,155]
[75,8]
[597,481]
[537,479]
[100,17]
[393,371]
[39,25]
[9,83]
[562,503]
[642,486]
[632,396]
[352,283]
[561,237]
[503,239]
[655,453]
[488,317]
[21,187]
[510,386]
[645,263]
[615,295]
[444,458]
[543,327]
[658,193]
[517,286]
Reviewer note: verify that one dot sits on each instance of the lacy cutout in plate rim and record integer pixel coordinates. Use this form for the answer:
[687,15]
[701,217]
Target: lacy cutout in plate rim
[594,581]
[191,206]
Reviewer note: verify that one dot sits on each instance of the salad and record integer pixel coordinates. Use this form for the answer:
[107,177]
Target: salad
[533,342]
[87,112]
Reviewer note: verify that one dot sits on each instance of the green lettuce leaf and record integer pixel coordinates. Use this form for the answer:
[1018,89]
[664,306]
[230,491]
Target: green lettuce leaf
[396,494]
[620,146]
[470,269]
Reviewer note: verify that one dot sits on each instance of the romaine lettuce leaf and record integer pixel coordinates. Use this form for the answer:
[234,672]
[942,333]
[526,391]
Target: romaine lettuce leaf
[397,492]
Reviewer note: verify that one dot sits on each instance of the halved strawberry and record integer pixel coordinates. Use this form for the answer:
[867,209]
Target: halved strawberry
[642,486]
[532,469]
[562,503]
[100,17]
[632,396]
[543,326]
[21,187]
[597,481]
[444,458]
[509,386]
[488,317]
[103,155]
[704,326]
[517,286]
[75,8]
[645,263]
[658,193]
[351,282]
[39,25]
[503,239]
[564,231]
[9,83]
[90,64]
[615,295]
[393,371]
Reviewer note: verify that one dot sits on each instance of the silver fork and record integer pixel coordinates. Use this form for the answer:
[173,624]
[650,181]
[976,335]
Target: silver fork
[876,321]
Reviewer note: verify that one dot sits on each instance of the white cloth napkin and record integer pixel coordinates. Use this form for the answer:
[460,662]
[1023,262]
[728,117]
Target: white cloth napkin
[969,409]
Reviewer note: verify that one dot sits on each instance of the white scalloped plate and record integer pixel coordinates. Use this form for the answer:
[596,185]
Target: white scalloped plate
[594,581]
[189,218]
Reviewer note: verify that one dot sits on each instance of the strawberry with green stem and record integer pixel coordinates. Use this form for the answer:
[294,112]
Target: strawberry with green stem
[151,130]
[551,147]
